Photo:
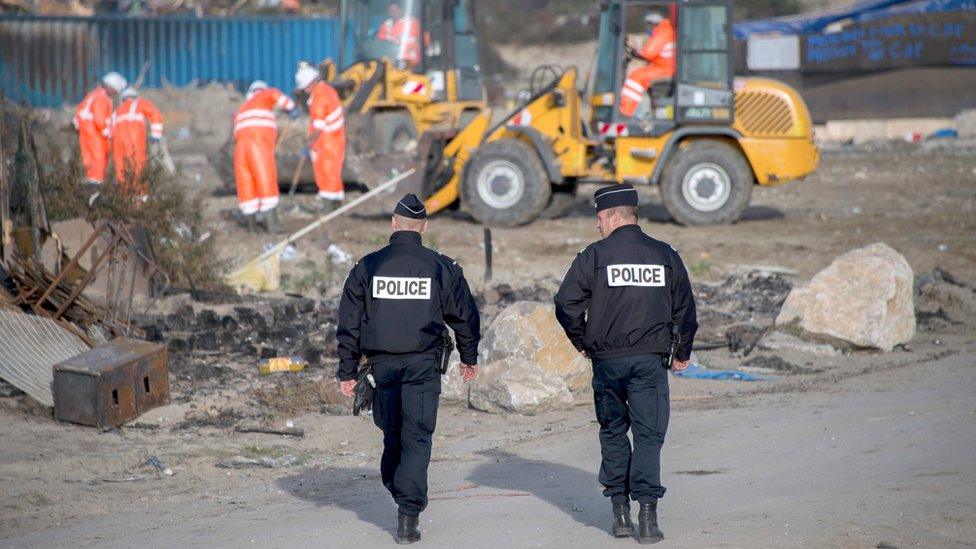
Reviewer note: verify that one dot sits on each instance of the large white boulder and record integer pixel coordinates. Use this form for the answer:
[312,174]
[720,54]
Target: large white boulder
[507,386]
[528,331]
[527,365]
[864,297]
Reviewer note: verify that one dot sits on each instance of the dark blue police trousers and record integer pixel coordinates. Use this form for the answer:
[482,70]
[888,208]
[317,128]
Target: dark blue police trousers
[405,408]
[631,394]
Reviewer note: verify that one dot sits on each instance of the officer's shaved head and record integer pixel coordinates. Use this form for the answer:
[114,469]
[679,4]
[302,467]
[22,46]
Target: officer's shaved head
[403,223]
[627,213]
[609,219]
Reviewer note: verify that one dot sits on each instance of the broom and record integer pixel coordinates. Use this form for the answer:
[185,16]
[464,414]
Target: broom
[263,273]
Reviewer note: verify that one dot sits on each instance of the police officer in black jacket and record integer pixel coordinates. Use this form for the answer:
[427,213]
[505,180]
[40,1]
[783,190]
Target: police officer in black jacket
[394,308]
[618,304]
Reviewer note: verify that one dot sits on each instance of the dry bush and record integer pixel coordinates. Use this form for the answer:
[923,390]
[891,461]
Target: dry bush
[181,243]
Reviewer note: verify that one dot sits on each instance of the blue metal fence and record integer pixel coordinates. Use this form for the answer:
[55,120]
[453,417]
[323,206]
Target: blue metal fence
[47,61]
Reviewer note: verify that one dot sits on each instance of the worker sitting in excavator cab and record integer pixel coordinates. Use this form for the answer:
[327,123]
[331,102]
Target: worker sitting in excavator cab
[402,30]
[658,51]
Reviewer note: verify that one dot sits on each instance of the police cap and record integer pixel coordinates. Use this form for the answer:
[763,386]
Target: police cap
[411,206]
[611,196]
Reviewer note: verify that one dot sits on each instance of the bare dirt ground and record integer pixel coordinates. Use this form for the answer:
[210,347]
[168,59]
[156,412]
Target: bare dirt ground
[845,451]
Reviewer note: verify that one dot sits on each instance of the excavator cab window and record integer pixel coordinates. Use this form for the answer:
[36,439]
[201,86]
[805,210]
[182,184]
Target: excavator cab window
[624,32]
[609,62]
[376,29]
[465,52]
[704,83]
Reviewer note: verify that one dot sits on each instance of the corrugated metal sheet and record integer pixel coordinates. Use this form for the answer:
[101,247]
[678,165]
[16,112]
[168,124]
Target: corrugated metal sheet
[47,61]
[30,346]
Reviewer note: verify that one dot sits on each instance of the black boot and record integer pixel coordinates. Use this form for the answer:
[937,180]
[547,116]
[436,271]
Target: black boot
[274,222]
[647,518]
[261,220]
[407,531]
[622,525]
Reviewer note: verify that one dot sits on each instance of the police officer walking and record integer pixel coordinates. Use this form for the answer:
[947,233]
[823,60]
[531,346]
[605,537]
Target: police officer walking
[620,302]
[395,305]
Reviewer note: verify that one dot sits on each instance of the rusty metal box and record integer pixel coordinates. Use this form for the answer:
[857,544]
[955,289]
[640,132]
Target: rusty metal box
[111,384]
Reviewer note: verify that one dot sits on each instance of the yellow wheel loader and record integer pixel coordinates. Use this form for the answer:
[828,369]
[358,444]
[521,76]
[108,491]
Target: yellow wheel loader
[704,137]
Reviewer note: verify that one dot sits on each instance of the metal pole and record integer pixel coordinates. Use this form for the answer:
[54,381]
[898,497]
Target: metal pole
[488,253]
[6,241]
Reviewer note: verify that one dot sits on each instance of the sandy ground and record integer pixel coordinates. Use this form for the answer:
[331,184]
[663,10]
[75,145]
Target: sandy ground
[872,448]
[884,456]
[922,203]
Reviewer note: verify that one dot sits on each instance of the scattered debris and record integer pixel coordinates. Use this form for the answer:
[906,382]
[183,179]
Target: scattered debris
[338,255]
[779,341]
[942,301]
[61,297]
[495,298]
[287,431]
[282,364]
[697,371]
[159,466]
[7,390]
[742,338]
[775,364]
[756,293]
[241,462]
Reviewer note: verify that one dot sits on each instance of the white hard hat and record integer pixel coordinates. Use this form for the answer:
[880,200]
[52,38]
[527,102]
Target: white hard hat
[256,86]
[653,18]
[305,75]
[115,81]
[129,92]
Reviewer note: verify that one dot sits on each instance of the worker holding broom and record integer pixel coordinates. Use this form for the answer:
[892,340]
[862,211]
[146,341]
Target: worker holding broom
[327,135]
[92,120]
[255,170]
[129,146]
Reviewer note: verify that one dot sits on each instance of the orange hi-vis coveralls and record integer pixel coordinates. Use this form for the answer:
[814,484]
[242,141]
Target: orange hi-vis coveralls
[658,50]
[255,134]
[328,150]
[93,119]
[129,152]
[405,32]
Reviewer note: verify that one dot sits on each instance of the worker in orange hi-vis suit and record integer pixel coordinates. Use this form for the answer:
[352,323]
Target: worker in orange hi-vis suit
[658,51]
[129,147]
[327,135]
[403,30]
[255,135]
[93,119]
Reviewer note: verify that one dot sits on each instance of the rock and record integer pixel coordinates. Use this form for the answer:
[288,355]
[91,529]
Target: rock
[966,123]
[527,333]
[778,341]
[506,386]
[453,389]
[864,297]
[943,302]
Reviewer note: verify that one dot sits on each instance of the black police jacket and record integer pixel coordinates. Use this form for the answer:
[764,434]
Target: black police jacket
[397,301]
[622,295]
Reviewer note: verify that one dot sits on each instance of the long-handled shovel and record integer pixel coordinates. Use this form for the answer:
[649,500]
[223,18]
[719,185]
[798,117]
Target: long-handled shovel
[263,273]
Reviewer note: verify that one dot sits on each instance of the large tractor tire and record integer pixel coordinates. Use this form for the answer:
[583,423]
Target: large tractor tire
[706,183]
[394,132]
[563,198]
[505,184]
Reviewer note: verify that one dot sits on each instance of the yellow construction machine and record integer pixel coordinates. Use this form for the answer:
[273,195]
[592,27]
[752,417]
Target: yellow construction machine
[705,137]
[405,67]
